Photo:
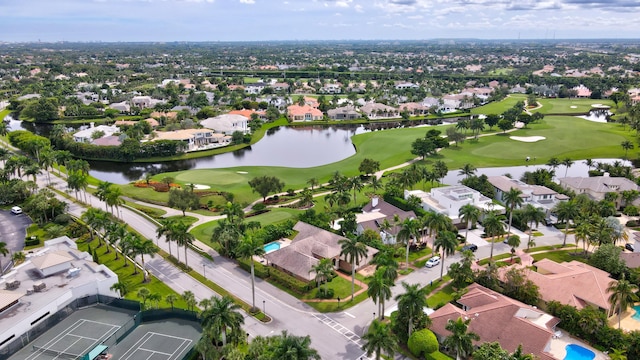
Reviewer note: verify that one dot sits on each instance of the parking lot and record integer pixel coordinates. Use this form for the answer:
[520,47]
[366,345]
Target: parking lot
[13,229]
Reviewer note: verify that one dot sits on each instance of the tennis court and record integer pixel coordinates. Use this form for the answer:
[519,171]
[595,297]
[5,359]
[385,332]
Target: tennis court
[158,340]
[75,341]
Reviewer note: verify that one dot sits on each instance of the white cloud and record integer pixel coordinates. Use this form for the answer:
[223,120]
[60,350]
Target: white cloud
[358,8]
[250,2]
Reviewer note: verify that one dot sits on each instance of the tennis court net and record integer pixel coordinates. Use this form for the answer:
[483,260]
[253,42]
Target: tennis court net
[56,353]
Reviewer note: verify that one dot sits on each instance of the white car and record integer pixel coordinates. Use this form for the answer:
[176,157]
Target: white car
[16,210]
[433,262]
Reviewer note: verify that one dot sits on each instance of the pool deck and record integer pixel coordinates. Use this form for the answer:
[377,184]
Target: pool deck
[558,347]
[628,323]
[284,242]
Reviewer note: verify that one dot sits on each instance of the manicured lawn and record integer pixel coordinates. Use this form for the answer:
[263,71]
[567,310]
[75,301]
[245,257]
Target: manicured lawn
[500,106]
[560,256]
[185,219]
[437,356]
[341,288]
[151,211]
[564,106]
[441,297]
[335,306]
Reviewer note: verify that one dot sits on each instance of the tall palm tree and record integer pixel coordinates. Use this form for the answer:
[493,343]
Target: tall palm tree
[413,301]
[166,229]
[143,293]
[95,220]
[626,145]
[469,215]
[171,299]
[144,247]
[190,299]
[222,317]
[567,162]
[379,290]
[533,216]
[248,248]
[353,250]
[386,263]
[566,212]
[356,185]
[4,252]
[623,294]
[447,242]
[113,198]
[493,226]
[408,228]
[512,199]
[114,231]
[103,191]
[323,270]
[467,170]
[461,339]
[378,339]
[313,182]
[183,237]
[437,222]
[294,347]
[233,212]
[553,163]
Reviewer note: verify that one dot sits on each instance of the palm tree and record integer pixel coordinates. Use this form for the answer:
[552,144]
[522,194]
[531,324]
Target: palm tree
[233,212]
[144,247]
[533,215]
[166,229]
[4,252]
[171,299]
[96,220]
[205,304]
[121,287]
[143,293]
[567,162]
[379,290]
[354,250]
[512,199]
[386,262]
[190,299]
[469,215]
[467,170]
[294,347]
[513,241]
[379,339]
[437,222]
[447,242]
[413,301]
[323,270]
[33,170]
[493,226]
[626,145]
[409,228]
[566,212]
[461,339]
[553,163]
[313,182]
[247,249]
[183,237]
[113,198]
[623,294]
[222,317]
[103,191]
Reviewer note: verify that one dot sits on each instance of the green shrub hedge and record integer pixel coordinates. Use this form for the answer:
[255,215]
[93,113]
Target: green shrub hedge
[289,281]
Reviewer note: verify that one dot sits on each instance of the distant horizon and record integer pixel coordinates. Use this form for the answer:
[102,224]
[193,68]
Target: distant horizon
[314,20]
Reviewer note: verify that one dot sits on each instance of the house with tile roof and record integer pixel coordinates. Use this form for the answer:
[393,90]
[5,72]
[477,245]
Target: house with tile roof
[310,245]
[379,111]
[86,135]
[498,318]
[227,124]
[347,112]
[304,113]
[597,186]
[571,283]
[194,139]
[536,195]
[373,217]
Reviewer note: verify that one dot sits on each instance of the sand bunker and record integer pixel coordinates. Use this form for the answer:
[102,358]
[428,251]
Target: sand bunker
[201,187]
[527,138]
[573,107]
[241,172]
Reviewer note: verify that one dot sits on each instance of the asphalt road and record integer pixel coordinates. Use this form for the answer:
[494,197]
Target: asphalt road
[13,229]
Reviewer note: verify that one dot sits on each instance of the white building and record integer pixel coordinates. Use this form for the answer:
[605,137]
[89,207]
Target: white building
[86,135]
[227,124]
[536,195]
[448,200]
[46,282]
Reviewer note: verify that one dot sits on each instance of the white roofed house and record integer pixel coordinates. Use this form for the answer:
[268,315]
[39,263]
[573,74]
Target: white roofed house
[227,124]
[448,200]
[536,195]
[194,139]
[254,88]
[347,112]
[87,135]
[597,187]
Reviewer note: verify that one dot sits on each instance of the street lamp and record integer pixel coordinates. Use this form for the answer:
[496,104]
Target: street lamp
[374,315]
[264,309]
[204,270]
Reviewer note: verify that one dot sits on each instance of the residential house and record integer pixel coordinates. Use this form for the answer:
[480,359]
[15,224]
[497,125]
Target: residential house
[87,135]
[194,139]
[110,140]
[262,115]
[280,86]
[414,108]
[498,318]
[331,89]
[597,186]
[153,122]
[582,91]
[255,88]
[310,245]
[227,124]
[303,113]
[142,102]
[571,283]
[536,195]
[373,217]
[379,111]
[448,200]
[406,85]
[348,112]
[122,107]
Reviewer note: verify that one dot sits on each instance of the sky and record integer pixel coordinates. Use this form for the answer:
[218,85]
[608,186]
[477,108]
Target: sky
[263,20]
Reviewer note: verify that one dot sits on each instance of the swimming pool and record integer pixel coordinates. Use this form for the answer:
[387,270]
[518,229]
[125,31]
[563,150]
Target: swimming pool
[636,316]
[273,246]
[577,352]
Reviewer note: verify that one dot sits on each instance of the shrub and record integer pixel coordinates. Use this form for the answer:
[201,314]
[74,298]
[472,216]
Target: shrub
[632,223]
[423,342]
[32,241]
[260,270]
[288,281]
[630,210]
[259,206]
[325,293]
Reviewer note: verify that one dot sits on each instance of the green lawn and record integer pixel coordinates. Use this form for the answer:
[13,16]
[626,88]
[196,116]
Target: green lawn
[441,297]
[564,106]
[341,288]
[561,256]
[185,219]
[498,107]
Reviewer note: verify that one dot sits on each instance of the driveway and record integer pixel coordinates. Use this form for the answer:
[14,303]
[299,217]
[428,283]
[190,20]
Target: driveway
[13,229]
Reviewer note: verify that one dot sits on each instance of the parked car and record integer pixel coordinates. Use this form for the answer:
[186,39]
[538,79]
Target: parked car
[629,247]
[16,210]
[548,221]
[433,262]
[470,247]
